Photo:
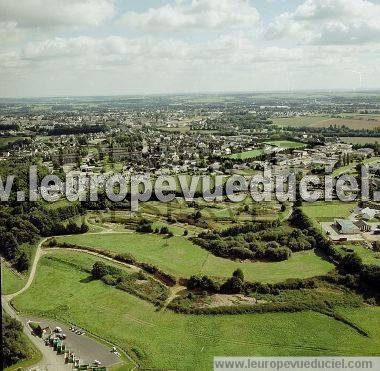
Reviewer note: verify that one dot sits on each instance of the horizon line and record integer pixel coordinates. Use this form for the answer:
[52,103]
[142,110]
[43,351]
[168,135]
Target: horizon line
[221,92]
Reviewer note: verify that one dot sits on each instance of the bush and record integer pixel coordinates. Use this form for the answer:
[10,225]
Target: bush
[202,284]
[233,285]
[99,270]
[164,230]
[277,254]
[108,279]
[351,263]
[239,274]
[144,226]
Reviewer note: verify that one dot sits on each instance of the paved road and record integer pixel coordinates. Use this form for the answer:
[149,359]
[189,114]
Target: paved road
[50,360]
[84,347]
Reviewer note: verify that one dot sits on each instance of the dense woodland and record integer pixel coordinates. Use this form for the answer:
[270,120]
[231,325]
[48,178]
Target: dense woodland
[15,347]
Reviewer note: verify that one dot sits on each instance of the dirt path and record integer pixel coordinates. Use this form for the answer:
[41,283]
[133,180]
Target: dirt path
[84,251]
[173,294]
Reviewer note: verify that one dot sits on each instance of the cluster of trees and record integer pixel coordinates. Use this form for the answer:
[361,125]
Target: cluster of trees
[232,285]
[14,345]
[4,126]
[25,224]
[153,291]
[335,131]
[146,226]
[344,160]
[256,241]
[77,129]
[100,270]
[363,277]
[237,285]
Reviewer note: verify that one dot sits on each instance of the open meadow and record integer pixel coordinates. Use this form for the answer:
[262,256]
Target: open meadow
[166,340]
[182,258]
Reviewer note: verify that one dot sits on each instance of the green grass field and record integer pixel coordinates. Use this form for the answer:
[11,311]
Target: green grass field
[367,256]
[10,281]
[287,144]
[182,258]
[328,211]
[165,340]
[246,154]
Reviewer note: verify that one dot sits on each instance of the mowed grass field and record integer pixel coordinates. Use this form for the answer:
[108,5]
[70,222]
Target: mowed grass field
[352,121]
[166,340]
[324,211]
[182,258]
[246,154]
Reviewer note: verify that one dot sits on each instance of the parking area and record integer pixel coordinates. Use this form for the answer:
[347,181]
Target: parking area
[87,349]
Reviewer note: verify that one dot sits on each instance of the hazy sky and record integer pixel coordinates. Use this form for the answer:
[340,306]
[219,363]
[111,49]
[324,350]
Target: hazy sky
[107,47]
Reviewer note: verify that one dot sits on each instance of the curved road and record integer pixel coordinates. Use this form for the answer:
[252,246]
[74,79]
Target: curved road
[50,360]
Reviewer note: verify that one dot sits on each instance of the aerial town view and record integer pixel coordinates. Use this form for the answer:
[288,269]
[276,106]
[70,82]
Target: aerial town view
[190,185]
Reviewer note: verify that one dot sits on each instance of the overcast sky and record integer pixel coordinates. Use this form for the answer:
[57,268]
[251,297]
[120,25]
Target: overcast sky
[116,47]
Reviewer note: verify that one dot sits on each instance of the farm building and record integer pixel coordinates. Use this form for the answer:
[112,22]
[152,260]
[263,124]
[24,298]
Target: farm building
[363,226]
[346,227]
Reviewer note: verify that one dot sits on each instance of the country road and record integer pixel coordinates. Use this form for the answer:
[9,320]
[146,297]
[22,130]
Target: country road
[50,360]
[87,348]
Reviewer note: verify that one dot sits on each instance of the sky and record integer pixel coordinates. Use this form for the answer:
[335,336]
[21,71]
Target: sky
[122,47]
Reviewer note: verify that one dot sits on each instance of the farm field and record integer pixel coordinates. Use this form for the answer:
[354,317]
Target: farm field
[246,154]
[163,339]
[324,211]
[182,258]
[298,121]
[352,121]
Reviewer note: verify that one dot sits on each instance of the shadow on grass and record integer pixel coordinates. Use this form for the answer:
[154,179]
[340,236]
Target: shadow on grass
[87,279]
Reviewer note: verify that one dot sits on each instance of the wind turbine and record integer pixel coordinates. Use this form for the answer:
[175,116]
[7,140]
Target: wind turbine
[360,77]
